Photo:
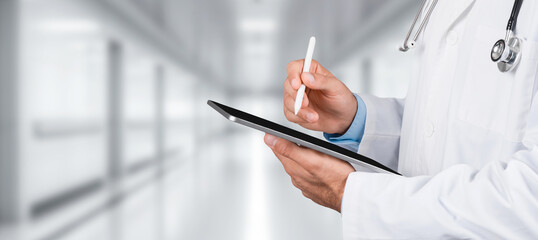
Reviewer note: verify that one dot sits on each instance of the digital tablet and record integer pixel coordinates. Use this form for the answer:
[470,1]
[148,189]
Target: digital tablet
[299,138]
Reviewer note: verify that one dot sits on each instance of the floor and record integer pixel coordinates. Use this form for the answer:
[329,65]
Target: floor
[248,195]
[229,191]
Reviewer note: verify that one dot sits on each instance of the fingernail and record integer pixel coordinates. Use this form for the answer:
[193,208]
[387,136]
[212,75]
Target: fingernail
[310,117]
[294,82]
[270,140]
[309,77]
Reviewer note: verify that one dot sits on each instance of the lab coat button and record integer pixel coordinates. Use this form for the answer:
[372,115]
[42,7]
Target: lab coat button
[452,38]
[430,129]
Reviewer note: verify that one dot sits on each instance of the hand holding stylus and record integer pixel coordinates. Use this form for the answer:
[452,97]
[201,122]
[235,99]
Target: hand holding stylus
[327,106]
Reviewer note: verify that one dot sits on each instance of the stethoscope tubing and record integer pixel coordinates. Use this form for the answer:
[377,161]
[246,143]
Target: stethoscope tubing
[405,46]
[514,15]
[505,60]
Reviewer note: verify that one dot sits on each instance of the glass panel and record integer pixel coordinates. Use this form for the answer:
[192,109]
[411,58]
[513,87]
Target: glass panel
[63,106]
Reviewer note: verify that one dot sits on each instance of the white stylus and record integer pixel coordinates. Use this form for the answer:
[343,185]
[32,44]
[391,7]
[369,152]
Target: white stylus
[306,68]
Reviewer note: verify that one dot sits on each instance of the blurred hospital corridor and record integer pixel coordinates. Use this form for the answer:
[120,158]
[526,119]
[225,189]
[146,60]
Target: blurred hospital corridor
[105,132]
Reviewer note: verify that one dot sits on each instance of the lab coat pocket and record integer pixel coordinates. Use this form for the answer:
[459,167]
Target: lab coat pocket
[496,101]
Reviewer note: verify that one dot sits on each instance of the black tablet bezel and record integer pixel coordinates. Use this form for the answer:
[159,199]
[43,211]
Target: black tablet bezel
[306,140]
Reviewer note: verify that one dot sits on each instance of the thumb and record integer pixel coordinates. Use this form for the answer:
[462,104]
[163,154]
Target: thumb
[318,81]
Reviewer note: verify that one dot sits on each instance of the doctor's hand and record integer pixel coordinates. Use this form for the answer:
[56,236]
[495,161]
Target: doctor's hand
[328,105]
[320,177]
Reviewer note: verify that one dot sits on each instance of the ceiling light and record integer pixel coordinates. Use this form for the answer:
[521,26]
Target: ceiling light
[71,26]
[257,25]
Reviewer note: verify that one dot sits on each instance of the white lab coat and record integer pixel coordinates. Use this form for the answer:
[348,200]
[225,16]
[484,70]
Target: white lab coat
[465,137]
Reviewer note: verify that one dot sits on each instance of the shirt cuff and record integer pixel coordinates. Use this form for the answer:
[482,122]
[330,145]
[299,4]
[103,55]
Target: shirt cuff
[353,136]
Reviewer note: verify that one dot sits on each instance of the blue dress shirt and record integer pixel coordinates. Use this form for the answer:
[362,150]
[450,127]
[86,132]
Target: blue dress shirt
[353,136]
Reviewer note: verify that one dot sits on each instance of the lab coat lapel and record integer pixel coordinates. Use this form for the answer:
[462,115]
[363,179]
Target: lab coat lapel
[454,12]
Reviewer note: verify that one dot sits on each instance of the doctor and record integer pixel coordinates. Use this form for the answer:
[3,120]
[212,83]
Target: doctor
[465,138]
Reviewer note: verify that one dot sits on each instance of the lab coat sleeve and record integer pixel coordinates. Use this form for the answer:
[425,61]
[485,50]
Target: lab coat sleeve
[383,125]
[498,201]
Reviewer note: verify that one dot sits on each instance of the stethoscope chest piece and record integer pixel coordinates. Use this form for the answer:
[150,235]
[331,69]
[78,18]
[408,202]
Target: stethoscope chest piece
[506,54]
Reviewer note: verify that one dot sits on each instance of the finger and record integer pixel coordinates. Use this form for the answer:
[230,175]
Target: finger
[295,82]
[321,82]
[300,176]
[305,100]
[305,114]
[292,168]
[283,147]
[294,118]
[300,183]
[292,85]
[289,113]
[316,67]
[287,149]
[306,195]
[288,89]
[296,67]
[294,70]
[310,160]
[294,182]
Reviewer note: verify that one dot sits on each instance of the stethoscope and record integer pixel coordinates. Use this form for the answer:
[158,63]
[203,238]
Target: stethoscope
[505,52]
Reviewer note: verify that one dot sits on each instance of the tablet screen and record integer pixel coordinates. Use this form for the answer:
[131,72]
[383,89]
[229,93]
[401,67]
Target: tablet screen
[297,137]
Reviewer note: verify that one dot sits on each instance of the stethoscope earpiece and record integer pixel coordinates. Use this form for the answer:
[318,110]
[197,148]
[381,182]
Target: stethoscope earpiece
[406,47]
